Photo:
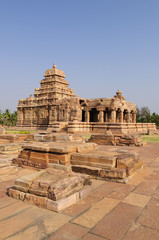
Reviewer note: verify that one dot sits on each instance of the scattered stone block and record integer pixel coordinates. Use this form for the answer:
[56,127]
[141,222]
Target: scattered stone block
[51,189]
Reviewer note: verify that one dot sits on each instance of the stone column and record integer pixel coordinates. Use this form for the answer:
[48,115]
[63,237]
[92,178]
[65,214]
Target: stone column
[55,114]
[128,117]
[113,115]
[60,115]
[87,113]
[134,117]
[31,117]
[101,116]
[22,117]
[121,116]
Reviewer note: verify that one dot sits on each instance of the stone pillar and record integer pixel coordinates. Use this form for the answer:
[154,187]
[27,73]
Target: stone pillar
[87,115]
[101,116]
[121,116]
[128,117]
[21,117]
[31,117]
[66,114]
[60,115]
[113,115]
[55,114]
[134,117]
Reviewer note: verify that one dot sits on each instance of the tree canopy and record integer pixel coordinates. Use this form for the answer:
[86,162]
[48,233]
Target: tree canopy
[8,118]
[143,115]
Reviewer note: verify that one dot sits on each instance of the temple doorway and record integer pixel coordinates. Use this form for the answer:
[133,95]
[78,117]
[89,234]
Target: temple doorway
[94,115]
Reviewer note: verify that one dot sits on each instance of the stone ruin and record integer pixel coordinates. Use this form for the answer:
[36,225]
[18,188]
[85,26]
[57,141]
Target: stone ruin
[11,143]
[51,189]
[64,160]
[64,170]
[56,107]
[113,165]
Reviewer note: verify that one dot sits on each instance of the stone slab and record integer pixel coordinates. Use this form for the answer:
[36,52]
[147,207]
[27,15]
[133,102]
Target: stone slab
[69,231]
[137,199]
[91,217]
[114,225]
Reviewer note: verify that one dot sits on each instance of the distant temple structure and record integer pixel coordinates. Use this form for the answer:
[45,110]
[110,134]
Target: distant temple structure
[55,106]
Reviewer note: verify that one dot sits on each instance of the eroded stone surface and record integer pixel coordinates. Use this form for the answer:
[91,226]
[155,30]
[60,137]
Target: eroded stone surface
[51,189]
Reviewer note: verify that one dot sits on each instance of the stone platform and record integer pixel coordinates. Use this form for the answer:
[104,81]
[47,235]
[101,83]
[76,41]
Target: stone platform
[11,143]
[14,138]
[114,165]
[51,189]
[10,148]
[117,139]
[40,155]
[109,165]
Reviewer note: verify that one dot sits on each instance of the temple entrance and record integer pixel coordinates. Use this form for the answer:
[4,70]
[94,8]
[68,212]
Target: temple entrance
[125,116]
[94,115]
[83,116]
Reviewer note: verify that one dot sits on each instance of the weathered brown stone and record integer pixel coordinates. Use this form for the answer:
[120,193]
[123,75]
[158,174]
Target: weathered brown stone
[94,158]
[65,187]
[56,106]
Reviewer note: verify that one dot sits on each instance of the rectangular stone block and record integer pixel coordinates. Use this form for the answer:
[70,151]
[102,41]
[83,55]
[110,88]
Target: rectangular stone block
[65,187]
[24,154]
[124,160]
[59,205]
[56,158]
[85,192]
[95,165]
[38,156]
[86,169]
[25,182]
[37,200]
[114,173]
[94,158]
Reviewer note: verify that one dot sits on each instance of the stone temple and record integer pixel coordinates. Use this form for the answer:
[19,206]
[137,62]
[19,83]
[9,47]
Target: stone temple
[56,107]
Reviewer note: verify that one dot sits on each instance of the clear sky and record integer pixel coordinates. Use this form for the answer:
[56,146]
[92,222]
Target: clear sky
[101,46]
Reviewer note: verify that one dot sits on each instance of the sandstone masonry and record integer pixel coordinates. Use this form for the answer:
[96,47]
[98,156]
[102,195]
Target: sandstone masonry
[55,106]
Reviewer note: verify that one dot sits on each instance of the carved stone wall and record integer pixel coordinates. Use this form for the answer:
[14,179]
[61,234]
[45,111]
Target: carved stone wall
[55,102]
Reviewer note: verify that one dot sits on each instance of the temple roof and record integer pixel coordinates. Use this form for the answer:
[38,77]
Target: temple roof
[54,71]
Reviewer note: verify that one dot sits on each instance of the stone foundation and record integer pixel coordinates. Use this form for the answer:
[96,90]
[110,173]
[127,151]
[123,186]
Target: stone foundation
[39,155]
[14,138]
[115,128]
[117,139]
[84,158]
[51,189]
[11,143]
[108,165]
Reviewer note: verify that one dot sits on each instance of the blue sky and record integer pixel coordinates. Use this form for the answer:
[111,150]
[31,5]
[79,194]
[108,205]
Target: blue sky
[100,45]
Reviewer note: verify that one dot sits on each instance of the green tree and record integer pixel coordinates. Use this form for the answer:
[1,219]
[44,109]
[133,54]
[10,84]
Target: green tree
[1,117]
[143,115]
